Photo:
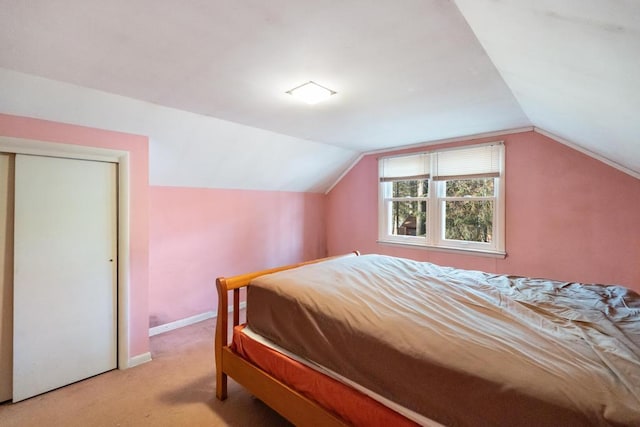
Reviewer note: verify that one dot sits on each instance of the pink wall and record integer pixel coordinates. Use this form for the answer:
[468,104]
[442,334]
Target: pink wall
[197,235]
[137,146]
[568,216]
[183,238]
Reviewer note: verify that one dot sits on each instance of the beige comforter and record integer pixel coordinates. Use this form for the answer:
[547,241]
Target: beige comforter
[462,347]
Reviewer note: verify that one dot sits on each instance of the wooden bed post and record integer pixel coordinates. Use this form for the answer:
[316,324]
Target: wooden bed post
[229,363]
[221,337]
[294,406]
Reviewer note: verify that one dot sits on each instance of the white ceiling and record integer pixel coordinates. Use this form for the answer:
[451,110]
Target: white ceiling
[573,66]
[406,71]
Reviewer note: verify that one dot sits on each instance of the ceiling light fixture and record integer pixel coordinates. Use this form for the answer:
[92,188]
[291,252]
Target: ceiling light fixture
[311,92]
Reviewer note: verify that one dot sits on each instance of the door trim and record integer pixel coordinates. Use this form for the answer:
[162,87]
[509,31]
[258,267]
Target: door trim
[121,157]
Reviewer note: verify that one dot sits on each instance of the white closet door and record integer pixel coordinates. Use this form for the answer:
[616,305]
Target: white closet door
[6,276]
[65,310]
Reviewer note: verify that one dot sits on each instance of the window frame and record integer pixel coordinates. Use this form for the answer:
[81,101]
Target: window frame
[387,206]
[435,213]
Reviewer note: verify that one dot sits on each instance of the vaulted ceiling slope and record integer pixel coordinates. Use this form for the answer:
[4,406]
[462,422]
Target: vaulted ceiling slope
[573,66]
[185,149]
[406,72]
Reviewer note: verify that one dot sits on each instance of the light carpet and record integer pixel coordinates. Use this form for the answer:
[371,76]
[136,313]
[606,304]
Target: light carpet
[177,388]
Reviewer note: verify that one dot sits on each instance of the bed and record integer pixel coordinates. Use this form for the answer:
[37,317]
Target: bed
[378,340]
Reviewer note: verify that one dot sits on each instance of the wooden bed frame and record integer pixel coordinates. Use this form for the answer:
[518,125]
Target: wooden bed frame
[292,405]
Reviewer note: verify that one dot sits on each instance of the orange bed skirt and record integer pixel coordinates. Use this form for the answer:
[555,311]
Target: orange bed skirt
[349,404]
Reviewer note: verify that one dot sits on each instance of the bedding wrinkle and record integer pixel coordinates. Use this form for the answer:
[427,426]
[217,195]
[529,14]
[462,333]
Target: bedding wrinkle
[497,344]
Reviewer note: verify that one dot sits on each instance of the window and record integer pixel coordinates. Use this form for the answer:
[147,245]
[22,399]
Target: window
[445,199]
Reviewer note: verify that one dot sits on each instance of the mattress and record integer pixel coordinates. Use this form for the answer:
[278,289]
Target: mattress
[351,402]
[461,347]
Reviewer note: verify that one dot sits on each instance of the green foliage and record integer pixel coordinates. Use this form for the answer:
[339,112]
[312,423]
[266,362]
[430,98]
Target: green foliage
[468,220]
[478,187]
[409,217]
[415,188]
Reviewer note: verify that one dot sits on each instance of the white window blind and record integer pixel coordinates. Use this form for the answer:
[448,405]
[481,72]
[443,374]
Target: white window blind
[405,168]
[474,162]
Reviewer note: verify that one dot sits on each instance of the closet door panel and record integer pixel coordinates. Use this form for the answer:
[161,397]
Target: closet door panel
[65,272]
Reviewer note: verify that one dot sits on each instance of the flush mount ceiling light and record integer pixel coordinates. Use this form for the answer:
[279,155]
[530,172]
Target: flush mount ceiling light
[311,92]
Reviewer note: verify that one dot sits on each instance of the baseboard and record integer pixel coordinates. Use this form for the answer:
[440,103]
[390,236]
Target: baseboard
[181,323]
[139,359]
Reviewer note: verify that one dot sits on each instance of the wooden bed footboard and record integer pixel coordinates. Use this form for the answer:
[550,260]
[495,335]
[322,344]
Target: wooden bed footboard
[289,403]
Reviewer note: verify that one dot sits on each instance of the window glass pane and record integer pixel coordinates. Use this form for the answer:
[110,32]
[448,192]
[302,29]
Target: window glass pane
[479,187]
[415,188]
[408,218]
[469,220]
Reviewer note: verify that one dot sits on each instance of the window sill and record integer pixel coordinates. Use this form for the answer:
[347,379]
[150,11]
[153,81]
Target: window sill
[462,251]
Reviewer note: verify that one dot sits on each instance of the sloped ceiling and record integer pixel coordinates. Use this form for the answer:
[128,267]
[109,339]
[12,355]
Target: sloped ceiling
[573,66]
[185,149]
[406,72]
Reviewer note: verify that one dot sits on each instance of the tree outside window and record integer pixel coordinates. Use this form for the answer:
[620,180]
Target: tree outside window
[451,199]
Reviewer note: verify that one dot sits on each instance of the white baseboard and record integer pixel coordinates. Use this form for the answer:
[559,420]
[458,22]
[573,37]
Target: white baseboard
[181,323]
[187,321]
[139,359]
